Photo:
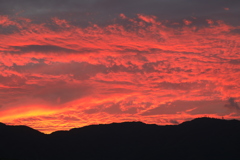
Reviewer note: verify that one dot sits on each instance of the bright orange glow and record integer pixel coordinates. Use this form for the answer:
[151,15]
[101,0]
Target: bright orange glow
[57,75]
[23,112]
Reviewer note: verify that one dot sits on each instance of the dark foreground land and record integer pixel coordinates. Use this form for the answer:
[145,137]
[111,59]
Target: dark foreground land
[199,139]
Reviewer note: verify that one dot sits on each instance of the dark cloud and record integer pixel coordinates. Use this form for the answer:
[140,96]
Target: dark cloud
[69,118]
[113,109]
[116,82]
[180,86]
[60,92]
[235,61]
[42,48]
[12,80]
[232,104]
[104,10]
[235,31]
[91,111]
[8,30]
[175,122]
[80,71]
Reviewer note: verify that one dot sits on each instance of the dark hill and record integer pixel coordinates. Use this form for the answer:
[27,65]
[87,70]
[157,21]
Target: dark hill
[202,138]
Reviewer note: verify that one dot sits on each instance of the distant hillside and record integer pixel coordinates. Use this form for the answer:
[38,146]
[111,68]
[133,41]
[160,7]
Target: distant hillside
[199,139]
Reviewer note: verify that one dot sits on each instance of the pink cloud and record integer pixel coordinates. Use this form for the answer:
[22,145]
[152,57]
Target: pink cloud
[60,73]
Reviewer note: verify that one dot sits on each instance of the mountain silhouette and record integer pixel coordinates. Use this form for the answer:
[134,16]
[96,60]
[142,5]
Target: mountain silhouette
[199,139]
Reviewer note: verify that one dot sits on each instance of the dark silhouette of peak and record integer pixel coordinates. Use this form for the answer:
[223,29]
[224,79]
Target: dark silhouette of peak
[204,120]
[18,130]
[113,127]
[2,125]
[209,123]
[202,138]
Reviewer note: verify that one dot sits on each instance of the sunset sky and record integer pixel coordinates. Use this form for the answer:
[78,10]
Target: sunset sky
[66,64]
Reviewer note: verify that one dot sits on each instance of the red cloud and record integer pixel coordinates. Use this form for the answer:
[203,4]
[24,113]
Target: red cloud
[68,76]
[5,21]
[187,22]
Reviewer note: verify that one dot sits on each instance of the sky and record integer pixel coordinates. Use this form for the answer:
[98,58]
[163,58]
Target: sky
[71,63]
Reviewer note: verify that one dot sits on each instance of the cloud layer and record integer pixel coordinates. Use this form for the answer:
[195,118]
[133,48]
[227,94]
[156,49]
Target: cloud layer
[59,74]
[102,11]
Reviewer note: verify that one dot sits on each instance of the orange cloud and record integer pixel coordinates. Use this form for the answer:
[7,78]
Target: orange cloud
[187,22]
[57,75]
